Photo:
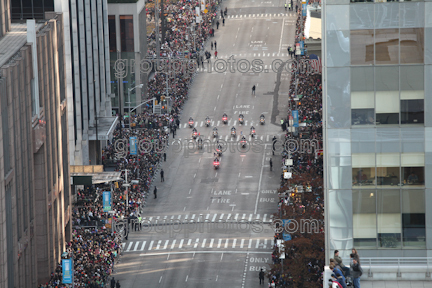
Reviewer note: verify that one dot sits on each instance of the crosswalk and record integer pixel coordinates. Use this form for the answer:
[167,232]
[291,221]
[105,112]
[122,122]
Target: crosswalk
[260,15]
[213,124]
[264,138]
[210,217]
[174,244]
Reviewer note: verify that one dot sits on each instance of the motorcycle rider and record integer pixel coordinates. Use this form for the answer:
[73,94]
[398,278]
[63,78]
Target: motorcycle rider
[262,116]
[190,119]
[233,129]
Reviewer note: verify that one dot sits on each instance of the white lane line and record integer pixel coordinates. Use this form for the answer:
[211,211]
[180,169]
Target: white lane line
[207,217]
[265,243]
[214,218]
[218,122]
[280,43]
[235,218]
[217,276]
[229,216]
[242,243]
[203,244]
[214,109]
[244,216]
[259,183]
[151,245]
[172,217]
[158,245]
[178,218]
[193,217]
[226,243]
[196,243]
[189,242]
[235,122]
[211,243]
[130,245]
[143,245]
[219,243]
[150,219]
[136,246]
[257,216]
[186,217]
[166,245]
[220,218]
[250,244]
[204,252]
[187,276]
[181,243]
[160,279]
[218,97]
[234,243]
[264,217]
[250,218]
[257,244]
[173,244]
[201,124]
[221,85]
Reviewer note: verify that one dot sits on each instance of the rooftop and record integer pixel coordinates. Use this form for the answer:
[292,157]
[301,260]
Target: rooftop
[12,42]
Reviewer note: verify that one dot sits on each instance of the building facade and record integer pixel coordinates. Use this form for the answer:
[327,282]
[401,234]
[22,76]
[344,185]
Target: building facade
[35,202]
[127,46]
[5,17]
[378,127]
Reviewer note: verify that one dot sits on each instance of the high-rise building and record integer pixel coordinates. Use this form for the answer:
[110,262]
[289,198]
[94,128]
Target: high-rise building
[5,19]
[35,202]
[377,106]
[87,71]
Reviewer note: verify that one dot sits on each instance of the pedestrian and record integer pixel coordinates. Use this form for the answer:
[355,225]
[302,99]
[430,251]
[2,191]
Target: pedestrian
[223,21]
[202,61]
[164,157]
[296,8]
[113,283]
[217,25]
[338,260]
[162,175]
[357,272]
[261,276]
[274,144]
[155,192]
[215,44]
[178,123]
[338,274]
[173,129]
[289,50]
[289,7]
[271,164]
[211,44]
[253,90]
[216,54]
[285,6]
[282,126]
[118,284]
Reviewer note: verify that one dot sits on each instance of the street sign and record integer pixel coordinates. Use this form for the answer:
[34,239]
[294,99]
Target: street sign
[288,162]
[67,269]
[133,142]
[295,117]
[106,200]
[287,175]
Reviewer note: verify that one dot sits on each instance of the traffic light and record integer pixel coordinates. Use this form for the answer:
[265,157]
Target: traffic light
[162,98]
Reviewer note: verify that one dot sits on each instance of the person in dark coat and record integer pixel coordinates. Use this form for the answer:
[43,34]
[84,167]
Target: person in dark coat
[164,157]
[162,175]
[155,192]
[118,284]
[113,283]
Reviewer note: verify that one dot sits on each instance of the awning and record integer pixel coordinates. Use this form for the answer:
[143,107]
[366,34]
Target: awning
[106,126]
[92,174]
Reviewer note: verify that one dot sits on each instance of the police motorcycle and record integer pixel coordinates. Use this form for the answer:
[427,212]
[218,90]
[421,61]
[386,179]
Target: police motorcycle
[207,121]
[194,133]
[233,132]
[199,142]
[215,132]
[262,119]
[243,142]
[252,131]
[241,119]
[191,122]
[216,163]
[225,118]
[219,150]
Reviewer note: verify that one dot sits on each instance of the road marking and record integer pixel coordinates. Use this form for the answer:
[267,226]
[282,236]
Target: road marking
[189,242]
[221,257]
[257,244]
[173,244]
[193,217]
[166,244]
[211,243]
[257,217]
[241,243]
[151,245]
[187,276]
[204,252]
[280,43]
[215,110]
[220,218]
[214,217]
[235,218]
[221,85]
[229,216]
[158,245]
[248,176]
[235,122]
[234,243]
[136,246]
[217,277]
[264,217]
[219,243]
[130,245]
[180,215]
[190,190]
[250,244]
[265,243]
[239,175]
[203,244]
[181,243]
[143,245]
[244,193]
[250,218]
[259,183]
[218,97]
[226,243]
[196,243]
[208,215]
[186,217]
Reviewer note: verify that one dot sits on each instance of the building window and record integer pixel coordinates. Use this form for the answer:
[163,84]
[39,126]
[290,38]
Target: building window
[411,45]
[389,222]
[363,171]
[413,219]
[362,47]
[126,33]
[387,95]
[112,33]
[387,46]
[364,219]
[362,96]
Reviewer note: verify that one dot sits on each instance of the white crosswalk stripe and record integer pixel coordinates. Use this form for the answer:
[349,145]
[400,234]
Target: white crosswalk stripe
[173,244]
[203,243]
[226,243]
[181,243]
[143,245]
[158,244]
[234,243]
[152,220]
[241,243]
[211,243]
[136,246]
[130,245]
[151,245]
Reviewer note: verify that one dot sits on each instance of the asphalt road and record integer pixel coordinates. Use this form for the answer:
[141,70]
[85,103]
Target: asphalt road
[216,228]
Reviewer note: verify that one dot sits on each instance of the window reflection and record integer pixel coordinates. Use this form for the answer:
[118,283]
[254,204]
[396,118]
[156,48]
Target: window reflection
[389,220]
[362,48]
[364,218]
[363,116]
[127,33]
[112,33]
[411,45]
[413,218]
[412,111]
[387,46]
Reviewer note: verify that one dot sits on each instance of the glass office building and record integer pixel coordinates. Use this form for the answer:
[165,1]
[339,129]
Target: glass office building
[377,103]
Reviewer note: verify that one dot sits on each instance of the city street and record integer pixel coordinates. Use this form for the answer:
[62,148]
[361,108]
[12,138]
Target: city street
[217,221]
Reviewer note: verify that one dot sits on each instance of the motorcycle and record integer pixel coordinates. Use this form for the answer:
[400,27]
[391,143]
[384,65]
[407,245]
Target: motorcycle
[216,164]
[241,120]
[200,144]
[215,134]
[208,122]
[191,123]
[252,133]
[233,133]
[219,151]
[243,143]
[262,121]
[194,135]
[225,119]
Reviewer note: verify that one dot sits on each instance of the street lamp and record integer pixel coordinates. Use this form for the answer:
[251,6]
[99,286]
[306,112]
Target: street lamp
[129,91]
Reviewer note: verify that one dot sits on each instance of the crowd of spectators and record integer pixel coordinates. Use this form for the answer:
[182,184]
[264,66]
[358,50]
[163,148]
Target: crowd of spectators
[94,247]
[307,172]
